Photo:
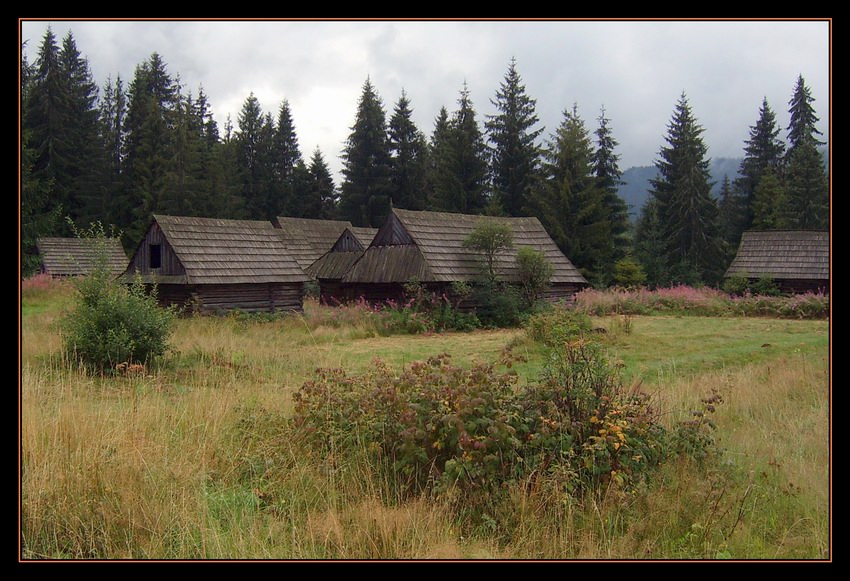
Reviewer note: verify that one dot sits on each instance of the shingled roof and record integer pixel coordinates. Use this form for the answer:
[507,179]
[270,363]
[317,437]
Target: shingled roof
[347,250]
[783,255]
[364,234]
[80,256]
[428,246]
[308,239]
[214,251]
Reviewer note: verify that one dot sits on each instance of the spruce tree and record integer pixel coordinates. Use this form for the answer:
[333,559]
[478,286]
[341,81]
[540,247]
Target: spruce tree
[608,176]
[153,100]
[733,214]
[365,195]
[806,181]
[802,126]
[46,116]
[223,175]
[36,216]
[807,188]
[286,158]
[86,179]
[467,160]
[187,183]
[514,153]
[651,246]
[770,204]
[442,180]
[306,204]
[113,113]
[763,152]
[254,144]
[569,202]
[321,186]
[409,158]
[686,208]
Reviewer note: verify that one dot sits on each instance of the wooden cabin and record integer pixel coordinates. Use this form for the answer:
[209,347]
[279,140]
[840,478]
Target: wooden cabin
[210,265]
[797,260]
[428,247]
[80,256]
[308,239]
[332,266]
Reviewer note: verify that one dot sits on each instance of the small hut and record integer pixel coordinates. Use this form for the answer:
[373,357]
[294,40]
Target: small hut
[334,264]
[428,247]
[797,260]
[215,265]
[80,256]
[308,239]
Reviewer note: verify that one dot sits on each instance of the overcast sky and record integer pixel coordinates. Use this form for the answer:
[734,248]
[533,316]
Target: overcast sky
[637,70]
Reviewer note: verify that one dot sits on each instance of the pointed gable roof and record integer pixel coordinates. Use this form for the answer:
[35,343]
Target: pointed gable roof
[428,246]
[346,251]
[783,254]
[214,251]
[308,239]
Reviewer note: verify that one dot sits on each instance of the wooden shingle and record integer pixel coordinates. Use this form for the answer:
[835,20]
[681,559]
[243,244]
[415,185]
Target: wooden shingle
[783,255]
[308,239]
[80,256]
[213,251]
[428,246]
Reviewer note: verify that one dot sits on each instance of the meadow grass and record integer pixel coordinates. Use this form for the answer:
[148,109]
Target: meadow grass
[193,458]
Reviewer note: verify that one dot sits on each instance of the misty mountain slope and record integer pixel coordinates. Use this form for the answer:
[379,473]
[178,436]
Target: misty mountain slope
[635,190]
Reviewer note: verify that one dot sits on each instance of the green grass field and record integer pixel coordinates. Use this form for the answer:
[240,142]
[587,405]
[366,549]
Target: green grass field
[190,459]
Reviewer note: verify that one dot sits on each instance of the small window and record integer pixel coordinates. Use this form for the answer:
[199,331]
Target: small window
[156,255]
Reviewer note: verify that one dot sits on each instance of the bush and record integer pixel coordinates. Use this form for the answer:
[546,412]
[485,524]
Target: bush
[424,312]
[737,284]
[628,273]
[588,423]
[435,425]
[112,324]
[765,286]
[535,272]
[498,304]
[443,428]
[557,326]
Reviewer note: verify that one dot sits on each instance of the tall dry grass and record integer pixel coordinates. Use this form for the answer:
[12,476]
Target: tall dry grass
[193,459]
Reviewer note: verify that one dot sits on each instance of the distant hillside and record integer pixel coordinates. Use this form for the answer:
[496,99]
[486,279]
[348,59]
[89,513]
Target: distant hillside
[635,190]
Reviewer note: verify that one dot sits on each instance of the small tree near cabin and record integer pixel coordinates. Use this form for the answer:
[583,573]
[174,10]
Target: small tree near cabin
[490,239]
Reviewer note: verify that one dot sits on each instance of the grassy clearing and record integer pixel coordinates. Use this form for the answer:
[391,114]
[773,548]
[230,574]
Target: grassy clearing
[191,459]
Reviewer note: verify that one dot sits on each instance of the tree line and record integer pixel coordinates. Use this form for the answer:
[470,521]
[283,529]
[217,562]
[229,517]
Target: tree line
[120,153]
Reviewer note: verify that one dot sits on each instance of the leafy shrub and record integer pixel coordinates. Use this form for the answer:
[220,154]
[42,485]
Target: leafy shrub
[424,311]
[737,284]
[588,421]
[557,326]
[535,272]
[434,425]
[443,428]
[498,304]
[112,324]
[489,239]
[629,273]
[765,286]
[695,437]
